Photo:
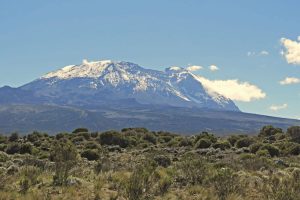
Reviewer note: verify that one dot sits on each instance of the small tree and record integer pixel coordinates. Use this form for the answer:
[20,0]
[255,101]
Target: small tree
[64,154]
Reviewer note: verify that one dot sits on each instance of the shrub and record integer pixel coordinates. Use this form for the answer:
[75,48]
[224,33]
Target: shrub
[92,145]
[294,133]
[3,147]
[13,137]
[193,170]
[273,151]
[64,154]
[90,154]
[255,147]
[113,138]
[222,145]
[139,182]
[94,134]
[60,136]
[233,139]
[3,139]
[86,135]
[205,135]
[26,148]
[164,180]
[244,142]
[263,153]
[3,157]
[13,148]
[185,142]
[225,183]
[162,160]
[267,131]
[203,143]
[292,149]
[150,137]
[81,130]
[103,165]
[166,139]
[78,139]
[33,137]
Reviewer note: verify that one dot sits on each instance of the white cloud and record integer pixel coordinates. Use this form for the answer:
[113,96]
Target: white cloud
[250,53]
[261,53]
[213,68]
[292,50]
[233,89]
[264,53]
[289,81]
[278,107]
[194,68]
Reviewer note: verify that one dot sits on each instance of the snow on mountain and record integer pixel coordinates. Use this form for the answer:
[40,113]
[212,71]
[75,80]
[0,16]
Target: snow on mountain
[99,82]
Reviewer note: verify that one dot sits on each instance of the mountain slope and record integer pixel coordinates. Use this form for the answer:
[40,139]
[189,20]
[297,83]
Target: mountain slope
[97,83]
[54,119]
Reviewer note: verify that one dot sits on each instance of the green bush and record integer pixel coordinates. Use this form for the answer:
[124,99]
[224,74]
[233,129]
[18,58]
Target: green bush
[222,145]
[92,145]
[184,142]
[81,130]
[205,135]
[26,148]
[162,160]
[3,147]
[78,139]
[194,171]
[244,142]
[13,137]
[113,138]
[294,133]
[263,153]
[3,157]
[292,149]
[13,148]
[203,143]
[225,183]
[273,151]
[64,154]
[232,139]
[86,135]
[94,134]
[90,154]
[267,131]
[255,147]
[34,137]
[139,182]
[150,137]
[3,139]
[165,139]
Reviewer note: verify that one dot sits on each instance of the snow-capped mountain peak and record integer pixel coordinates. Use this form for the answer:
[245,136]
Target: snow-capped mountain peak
[86,69]
[100,81]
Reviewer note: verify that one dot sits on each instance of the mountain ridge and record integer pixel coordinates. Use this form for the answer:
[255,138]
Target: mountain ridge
[121,80]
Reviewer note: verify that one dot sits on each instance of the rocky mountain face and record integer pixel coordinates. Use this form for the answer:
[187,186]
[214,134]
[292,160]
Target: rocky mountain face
[93,84]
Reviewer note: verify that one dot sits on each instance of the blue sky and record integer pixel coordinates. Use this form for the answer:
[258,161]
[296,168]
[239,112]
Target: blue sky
[242,38]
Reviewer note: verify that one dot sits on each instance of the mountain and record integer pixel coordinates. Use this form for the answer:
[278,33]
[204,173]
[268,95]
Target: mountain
[98,83]
[106,95]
